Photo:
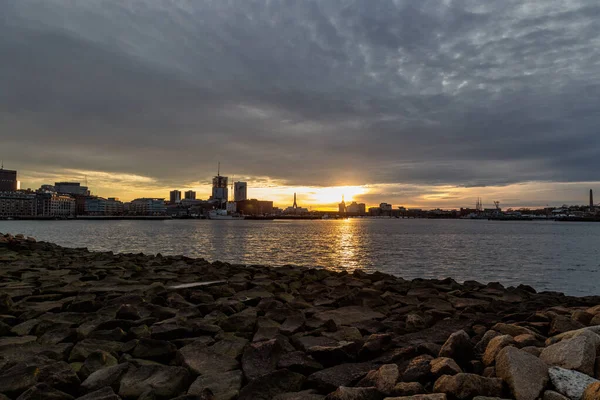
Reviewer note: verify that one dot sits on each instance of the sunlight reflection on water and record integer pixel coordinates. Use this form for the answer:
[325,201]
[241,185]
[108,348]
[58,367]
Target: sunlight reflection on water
[547,255]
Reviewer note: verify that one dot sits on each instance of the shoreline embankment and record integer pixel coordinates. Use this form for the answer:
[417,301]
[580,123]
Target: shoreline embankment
[76,324]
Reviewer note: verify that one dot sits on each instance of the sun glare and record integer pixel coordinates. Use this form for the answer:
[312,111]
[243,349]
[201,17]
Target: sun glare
[329,195]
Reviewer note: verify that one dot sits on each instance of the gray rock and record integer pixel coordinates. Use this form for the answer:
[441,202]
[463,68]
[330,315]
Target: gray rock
[203,361]
[407,389]
[110,376]
[86,347]
[418,369]
[44,391]
[552,395]
[577,353]
[458,347]
[18,378]
[562,324]
[163,381]
[432,396]
[292,324]
[525,374]
[444,366]
[102,394]
[570,383]
[261,358]
[303,395]
[568,335]
[298,361]
[384,378]
[96,361]
[355,393]
[349,315]
[268,386]
[494,346]
[229,345]
[156,350]
[224,386]
[466,386]
[330,379]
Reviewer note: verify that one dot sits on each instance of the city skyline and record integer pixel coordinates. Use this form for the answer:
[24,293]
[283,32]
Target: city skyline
[420,104]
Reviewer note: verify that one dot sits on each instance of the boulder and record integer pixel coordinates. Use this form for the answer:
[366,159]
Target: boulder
[375,345]
[96,361]
[407,389]
[458,347]
[562,324]
[527,340]
[466,386]
[268,386]
[156,350]
[86,347]
[44,391]
[102,394]
[444,366]
[485,340]
[203,361]
[525,374]
[18,378]
[570,383]
[552,395]
[515,330]
[300,362]
[568,335]
[592,392]
[355,393]
[418,369]
[303,395]
[261,358]
[384,378]
[432,396]
[223,386]
[164,382]
[349,315]
[329,379]
[110,376]
[577,353]
[494,347]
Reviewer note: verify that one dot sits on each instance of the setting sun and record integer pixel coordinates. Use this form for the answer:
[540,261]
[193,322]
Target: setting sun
[329,195]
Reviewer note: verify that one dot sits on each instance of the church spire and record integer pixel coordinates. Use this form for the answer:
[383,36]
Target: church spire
[295,204]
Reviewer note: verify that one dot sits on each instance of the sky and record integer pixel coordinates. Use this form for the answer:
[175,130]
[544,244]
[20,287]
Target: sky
[428,103]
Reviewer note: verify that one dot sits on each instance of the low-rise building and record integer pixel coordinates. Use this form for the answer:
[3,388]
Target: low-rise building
[190,195]
[55,205]
[114,206]
[95,205]
[356,208]
[147,206]
[254,207]
[73,188]
[17,204]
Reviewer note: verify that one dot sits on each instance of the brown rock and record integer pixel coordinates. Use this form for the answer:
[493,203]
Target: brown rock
[552,395]
[407,389]
[582,317]
[466,386]
[525,374]
[355,393]
[432,396]
[444,366]
[527,340]
[592,392]
[494,347]
[578,353]
[459,347]
[418,369]
[384,378]
[562,324]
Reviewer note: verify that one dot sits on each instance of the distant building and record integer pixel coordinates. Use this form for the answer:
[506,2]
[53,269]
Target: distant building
[48,188]
[55,205]
[190,195]
[356,208]
[74,188]
[17,204]
[254,207]
[385,207]
[240,191]
[175,196]
[95,205]
[294,209]
[147,206]
[231,207]
[114,206]
[342,206]
[220,192]
[8,180]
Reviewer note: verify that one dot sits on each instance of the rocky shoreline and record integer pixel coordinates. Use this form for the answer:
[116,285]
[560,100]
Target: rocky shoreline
[87,325]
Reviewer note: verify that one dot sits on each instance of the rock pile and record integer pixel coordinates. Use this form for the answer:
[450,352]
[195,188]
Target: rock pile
[100,326]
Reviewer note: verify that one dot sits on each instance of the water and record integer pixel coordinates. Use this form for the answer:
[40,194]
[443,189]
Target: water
[554,256]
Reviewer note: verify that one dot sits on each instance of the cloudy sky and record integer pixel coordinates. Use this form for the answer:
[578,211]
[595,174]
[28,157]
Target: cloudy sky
[419,103]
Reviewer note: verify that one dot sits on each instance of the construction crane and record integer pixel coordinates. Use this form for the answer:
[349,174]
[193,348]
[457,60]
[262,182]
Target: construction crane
[497,204]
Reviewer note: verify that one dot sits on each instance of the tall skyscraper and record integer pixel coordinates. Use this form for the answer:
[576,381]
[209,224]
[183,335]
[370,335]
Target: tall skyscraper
[591,199]
[220,190]
[190,195]
[240,191]
[8,180]
[342,206]
[175,196]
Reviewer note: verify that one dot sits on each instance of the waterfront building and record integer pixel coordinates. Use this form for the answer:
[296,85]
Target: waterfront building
[175,196]
[73,188]
[95,205]
[240,191]
[294,209]
[147,206]
[114,206]
[254,207]
[231,207]
[342,206]
[48,188]
[190,195]
[17,204]
[8,180]
[385,207]
[220,192]
[356,208]
[55,205]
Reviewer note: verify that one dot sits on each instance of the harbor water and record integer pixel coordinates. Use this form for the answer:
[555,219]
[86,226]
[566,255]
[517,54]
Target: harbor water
[555,256]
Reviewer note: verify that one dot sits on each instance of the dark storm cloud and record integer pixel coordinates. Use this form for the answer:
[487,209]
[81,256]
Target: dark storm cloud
[462,93]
